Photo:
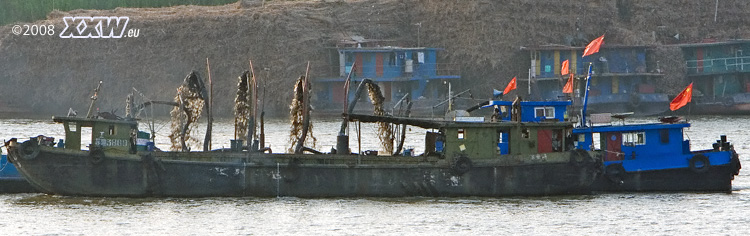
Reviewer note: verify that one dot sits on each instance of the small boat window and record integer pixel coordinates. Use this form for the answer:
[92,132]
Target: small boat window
[546,112]
[525,133]
[461,133]
[72,127]
[111,130]
[632,139]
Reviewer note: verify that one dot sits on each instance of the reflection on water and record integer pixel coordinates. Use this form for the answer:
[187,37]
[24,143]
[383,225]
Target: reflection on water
[629,213]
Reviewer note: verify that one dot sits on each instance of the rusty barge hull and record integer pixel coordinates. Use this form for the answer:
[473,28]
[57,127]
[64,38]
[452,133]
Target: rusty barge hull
[219,174]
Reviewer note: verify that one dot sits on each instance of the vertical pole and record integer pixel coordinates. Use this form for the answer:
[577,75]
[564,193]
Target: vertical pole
[586,98]
[450,98]
[529,82]
[251,101]
[716,10]
[93,99]
[210,103]
[263,111]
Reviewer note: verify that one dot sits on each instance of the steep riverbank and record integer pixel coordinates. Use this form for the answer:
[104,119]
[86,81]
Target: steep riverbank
[49,74]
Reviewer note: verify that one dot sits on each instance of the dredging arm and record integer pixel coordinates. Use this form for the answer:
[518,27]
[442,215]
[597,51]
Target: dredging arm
[342,140]
[350,109]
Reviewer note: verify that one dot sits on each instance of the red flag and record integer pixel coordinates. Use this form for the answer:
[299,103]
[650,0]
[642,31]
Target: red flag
[564,70]
[593,46]
[682,99]
[511,86]
[569,85]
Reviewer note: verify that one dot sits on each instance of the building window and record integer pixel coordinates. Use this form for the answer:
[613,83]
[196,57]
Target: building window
[546,112]
[632,139]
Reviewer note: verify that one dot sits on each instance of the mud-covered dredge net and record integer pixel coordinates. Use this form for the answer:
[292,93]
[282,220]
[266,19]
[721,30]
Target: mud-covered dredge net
[296,117]
[385,133]
[185,116]
[242,107]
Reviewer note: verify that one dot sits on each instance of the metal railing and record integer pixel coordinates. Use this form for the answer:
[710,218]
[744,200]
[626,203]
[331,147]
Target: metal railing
[718,65]
[441,69]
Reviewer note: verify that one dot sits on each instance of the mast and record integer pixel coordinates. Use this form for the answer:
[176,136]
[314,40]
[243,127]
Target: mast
[209,104]
[93,99]
[585,98]
[252,100]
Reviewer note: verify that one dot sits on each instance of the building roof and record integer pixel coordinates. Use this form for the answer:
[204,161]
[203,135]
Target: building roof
[548,47]
[704,44]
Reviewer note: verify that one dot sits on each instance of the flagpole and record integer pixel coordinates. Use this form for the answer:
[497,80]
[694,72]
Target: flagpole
[690,108]
[585,98]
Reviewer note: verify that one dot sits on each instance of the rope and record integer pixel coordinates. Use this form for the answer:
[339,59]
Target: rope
[618,153]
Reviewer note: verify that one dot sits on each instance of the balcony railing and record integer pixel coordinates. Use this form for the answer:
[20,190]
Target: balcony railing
[718,65]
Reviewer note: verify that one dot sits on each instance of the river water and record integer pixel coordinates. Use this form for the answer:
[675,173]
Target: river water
[626,213]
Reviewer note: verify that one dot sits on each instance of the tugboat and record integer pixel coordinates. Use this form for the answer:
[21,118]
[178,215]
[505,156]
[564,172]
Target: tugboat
[463,157]
[656,157]
[641,157]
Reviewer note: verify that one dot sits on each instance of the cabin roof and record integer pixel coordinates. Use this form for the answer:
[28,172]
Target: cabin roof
[89,122]
[628,127]
[436,124]
[529,103]
[388,49]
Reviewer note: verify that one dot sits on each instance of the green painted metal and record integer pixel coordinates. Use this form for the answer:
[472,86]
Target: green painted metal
[106,134]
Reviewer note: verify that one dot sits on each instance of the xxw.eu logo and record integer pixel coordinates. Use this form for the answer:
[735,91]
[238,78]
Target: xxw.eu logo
[97,27]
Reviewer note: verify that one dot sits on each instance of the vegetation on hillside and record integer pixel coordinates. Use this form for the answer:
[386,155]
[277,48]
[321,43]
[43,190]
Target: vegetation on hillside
[32,10]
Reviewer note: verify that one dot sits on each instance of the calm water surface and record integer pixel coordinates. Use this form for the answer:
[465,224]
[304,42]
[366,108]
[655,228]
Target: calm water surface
[626,214]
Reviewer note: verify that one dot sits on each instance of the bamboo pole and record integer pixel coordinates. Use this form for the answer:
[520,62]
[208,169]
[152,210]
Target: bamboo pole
[210,104]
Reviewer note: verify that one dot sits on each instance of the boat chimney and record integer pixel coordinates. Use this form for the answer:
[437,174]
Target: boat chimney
[342,144]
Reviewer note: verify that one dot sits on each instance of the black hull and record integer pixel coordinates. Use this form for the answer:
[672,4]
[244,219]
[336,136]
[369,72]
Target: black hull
[716,179]
[16,185]
[716,109]
[235,174]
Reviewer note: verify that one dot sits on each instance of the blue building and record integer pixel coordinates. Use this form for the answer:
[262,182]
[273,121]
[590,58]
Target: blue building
[622,80]
[398,71]
[720,73]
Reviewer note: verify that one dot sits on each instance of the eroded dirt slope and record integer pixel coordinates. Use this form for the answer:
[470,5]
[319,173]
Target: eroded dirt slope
[49,74]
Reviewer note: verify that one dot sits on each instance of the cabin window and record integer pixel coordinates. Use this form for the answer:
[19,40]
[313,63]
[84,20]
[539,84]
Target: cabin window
[392,59]
[596,141]
[546,112]
[525,133]
[111,130]
[72,127]
[632,139]
[461,133]
[664,136]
